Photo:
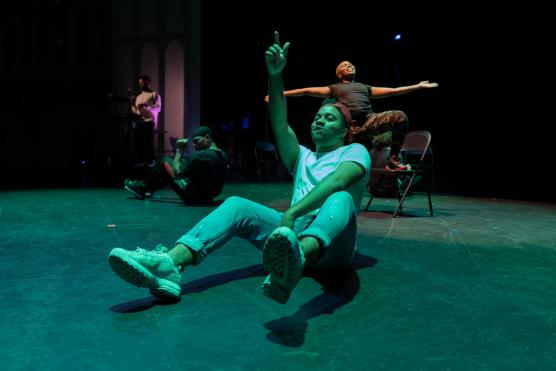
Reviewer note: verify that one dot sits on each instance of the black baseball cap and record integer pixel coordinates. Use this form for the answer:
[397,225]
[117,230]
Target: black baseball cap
[201,131]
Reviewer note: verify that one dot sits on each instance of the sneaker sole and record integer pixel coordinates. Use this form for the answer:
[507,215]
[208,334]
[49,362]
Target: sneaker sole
[284,265]
[136,194]
[134,273]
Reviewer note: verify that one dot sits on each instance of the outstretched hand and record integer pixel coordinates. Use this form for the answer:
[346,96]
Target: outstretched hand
[426,84]
[276,56]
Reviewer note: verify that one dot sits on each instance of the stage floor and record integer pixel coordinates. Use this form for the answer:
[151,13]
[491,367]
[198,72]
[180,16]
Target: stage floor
[472,288]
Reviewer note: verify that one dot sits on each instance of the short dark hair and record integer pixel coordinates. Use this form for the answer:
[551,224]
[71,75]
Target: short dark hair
[145,78]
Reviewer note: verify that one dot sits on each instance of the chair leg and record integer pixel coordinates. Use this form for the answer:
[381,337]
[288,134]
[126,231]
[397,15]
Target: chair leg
[404,195]
[369,203]
[400,200]
[430,203]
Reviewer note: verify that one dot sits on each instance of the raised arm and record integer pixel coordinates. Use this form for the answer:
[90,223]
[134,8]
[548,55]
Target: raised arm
[288,146]
[382,92]
[180,148]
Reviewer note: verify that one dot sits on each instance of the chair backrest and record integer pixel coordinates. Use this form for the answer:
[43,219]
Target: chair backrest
[267,160]
[415,151]
[417,142]
[265,149]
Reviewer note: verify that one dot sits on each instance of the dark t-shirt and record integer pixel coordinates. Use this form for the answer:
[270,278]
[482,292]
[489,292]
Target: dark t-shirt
[205,172]
[355,96]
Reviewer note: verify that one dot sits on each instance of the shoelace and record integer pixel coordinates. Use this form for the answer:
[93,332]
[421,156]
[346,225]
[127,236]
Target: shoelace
[159,249]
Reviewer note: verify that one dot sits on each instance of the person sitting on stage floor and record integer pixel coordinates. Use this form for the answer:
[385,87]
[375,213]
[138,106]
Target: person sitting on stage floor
[318,230]
[197,179]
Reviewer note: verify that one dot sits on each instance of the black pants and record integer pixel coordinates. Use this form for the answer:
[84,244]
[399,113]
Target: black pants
[158,178]
[143,141]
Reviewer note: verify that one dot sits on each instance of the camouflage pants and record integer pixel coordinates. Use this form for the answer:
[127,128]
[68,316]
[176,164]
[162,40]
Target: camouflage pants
[379,130]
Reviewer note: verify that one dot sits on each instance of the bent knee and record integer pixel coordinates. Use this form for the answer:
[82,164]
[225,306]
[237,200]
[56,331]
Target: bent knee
[236,201]
[340,197]
[399,117]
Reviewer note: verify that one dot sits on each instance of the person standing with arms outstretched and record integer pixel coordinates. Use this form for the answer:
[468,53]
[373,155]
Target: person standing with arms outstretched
[372,129]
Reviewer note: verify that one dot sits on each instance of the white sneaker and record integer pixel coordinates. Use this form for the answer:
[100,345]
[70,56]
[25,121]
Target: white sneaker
[284,260]
[154,270]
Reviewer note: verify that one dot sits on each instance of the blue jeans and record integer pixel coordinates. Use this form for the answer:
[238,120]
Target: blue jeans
[334,226]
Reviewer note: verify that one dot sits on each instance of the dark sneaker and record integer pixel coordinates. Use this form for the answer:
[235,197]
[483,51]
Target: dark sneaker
[136,187]
[154,270]
[284,260]
[181,183]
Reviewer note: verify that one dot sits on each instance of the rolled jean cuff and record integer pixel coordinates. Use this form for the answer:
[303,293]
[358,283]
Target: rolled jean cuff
[198,250]
[317,233]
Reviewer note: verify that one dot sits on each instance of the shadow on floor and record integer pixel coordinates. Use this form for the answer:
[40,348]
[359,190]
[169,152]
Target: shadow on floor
[199,285]
[339,288]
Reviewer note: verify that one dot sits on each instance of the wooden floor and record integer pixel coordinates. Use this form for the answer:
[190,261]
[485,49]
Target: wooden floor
[471,288]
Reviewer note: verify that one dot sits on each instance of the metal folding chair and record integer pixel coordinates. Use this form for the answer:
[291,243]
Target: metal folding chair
[417,153]
[268,161]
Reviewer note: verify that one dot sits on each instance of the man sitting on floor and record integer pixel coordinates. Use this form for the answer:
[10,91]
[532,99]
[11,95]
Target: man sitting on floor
[197,179]
[317,230]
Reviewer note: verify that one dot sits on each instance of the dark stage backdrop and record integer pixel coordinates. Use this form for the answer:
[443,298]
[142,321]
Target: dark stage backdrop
[491,119]
[55,78]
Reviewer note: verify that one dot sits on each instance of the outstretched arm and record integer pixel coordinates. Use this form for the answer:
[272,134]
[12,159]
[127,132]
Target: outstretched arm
[316,91]
[381,92]
[288,146]
[347,173]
